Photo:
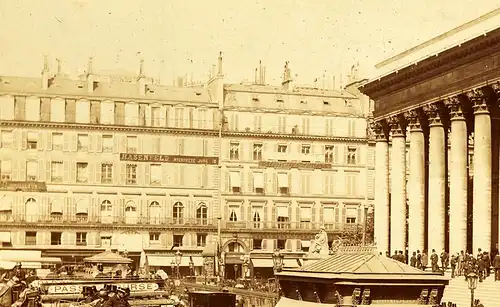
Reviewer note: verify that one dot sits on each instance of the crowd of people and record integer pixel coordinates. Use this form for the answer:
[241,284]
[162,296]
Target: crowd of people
[461,264]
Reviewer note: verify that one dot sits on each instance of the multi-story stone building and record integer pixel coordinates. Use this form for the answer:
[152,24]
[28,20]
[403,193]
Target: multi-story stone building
[121,162]
[100,162]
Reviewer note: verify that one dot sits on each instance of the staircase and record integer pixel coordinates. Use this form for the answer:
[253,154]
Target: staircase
[488,292]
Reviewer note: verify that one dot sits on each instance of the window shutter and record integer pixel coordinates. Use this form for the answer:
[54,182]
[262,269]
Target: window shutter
[66,171]
[344,211]
[275,244]
[24,144]
[241,215]
[345,154]
[16,169]
[297,216]
[204,176]
[48,143]
[249,215]
[98,173]
[123,173]
[264,244]
[327,127]
[123,143]
[250,181]
[147,174]
[140,174]
[72,171]
[91,172]
[326,187]
[48,169]
[358,220]
[313,216]
[67,139]
[186,240]
[74,142]
[22,169]
[169,239]
[41,170]
[226,213]
[288,245]
[275,182]
[91,142]
[227,182]
[273,216]
[337,217]
[41,143]
[98,143]
[289,175]
[321,214]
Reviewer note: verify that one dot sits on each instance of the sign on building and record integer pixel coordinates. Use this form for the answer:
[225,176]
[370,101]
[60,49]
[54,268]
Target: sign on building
[168,159]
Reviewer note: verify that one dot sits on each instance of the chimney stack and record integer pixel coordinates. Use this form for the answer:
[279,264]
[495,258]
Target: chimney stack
[286,77]
[256,81]
[59,69]
[45,72]
[90,78]
[219,73]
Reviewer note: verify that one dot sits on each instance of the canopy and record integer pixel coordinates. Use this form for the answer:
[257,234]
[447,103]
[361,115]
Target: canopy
[107,257]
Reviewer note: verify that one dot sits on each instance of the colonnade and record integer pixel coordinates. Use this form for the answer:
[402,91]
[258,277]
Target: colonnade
[429,128]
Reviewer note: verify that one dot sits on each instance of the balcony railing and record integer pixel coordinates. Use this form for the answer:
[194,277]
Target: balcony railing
[270,225]
[58,219]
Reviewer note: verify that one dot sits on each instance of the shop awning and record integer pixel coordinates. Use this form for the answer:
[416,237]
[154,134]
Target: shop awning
[262,263]
[233,260]
[82,207]
[5,205]
[56,206]
[31,265]
[7,265]
[291,263]
[166,261]
[5,236]
[210,250]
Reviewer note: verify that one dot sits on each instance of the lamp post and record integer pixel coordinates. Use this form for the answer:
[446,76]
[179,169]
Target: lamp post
[172,266]
[235,272]
[191,266]
[278,267]
[222,265]
[472,284]
[246,262]
[178,258]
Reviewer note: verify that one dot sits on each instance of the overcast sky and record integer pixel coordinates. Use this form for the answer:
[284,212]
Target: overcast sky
[176,37]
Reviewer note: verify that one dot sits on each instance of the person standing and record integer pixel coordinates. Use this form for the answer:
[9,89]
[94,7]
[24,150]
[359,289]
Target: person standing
[419,260]
[444,260]
[425,260]
[453,263]
[460,263]
[496,266]
[413,260]
[434,261]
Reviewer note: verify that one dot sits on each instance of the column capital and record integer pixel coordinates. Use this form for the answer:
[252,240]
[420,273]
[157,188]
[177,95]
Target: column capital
[432,113]
[496,88]
[455,107]
[478,100]
[413,119]
[379,129]
[396,125]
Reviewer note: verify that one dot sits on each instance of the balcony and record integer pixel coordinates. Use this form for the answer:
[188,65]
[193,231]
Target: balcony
[286,226]
[48,220]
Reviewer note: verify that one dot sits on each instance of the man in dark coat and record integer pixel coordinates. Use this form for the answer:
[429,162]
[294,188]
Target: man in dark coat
[496,266]
[413,260]
[453,263]
[445,258]
[425,260]
[487,263]
[434,261]
[419,260]
[481,266]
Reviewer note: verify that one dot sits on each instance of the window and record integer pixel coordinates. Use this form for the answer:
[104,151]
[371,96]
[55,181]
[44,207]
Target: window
[351,183]
[156,117]
[351,155]
[106,173]
[329,217]
[30,238]
[258,183]
[107,212]
[32,108]
[83,142]
[202,119]
[131,144]
[154,213]
[282,148]
[57,141]
[131,174]
[81,238]
[7,139]
[329,153]
[56,171]
[283,186]
[202,214]
[178,240]
[233,213]
[55,238]
[32,140]
[351,214]
[281,244]
[131,114]
[179,118]
[107,143]
[235,182]
[82,210]
[58,110]
[201,239]
[154,238]
[282,216]
[306,149]
[130,213]
[107,112]
[156,174]
[105,241]
[6,170]
[82,111]
[156,144]
[31,171]
[257,215]
[82,172]
[257,152]
[234,151]
[305,217]
[178,213]
[257,243]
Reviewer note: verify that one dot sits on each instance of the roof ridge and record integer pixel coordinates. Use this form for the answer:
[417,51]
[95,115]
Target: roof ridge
[365,260]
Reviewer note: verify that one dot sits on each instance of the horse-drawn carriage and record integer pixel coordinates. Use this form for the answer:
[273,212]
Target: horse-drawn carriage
[15,289]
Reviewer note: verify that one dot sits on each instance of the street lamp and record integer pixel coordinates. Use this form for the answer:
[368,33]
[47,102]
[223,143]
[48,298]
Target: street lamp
[472,284]
[191,266]
[235,272]
[178,258]
[172,266]
[246,262]
[222,265]
[278,261]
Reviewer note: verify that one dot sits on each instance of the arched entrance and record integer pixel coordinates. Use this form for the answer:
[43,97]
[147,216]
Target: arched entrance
[234,250]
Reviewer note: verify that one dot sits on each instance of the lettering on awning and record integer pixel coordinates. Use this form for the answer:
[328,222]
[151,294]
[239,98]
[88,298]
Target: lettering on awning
[78,288]
[23,186]
[168,159]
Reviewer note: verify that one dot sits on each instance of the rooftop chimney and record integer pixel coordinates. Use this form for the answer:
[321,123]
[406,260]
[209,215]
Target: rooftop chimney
[287,79]
[91,84]
[59,70]
[256,81]
[219,73]
[45,72]
[141,68]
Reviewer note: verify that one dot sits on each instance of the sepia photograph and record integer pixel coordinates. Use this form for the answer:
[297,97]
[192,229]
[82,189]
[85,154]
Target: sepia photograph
[257,153]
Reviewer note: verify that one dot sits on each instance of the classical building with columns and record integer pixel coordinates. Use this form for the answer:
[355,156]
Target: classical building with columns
[435,107]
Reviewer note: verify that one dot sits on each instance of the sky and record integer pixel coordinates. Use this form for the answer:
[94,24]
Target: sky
[185,37]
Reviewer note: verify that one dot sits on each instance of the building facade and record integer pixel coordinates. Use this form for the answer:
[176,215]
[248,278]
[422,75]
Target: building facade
[120,162]
[446,111]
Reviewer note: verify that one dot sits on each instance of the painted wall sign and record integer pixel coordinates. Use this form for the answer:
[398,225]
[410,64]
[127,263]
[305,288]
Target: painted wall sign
[24,186]
[168,159]
[276,164]
[78,288]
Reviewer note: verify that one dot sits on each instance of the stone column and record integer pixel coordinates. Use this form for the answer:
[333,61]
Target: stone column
[398,186]
[381,188]
[416,185]
[481,212]
[437,181]
[458,177]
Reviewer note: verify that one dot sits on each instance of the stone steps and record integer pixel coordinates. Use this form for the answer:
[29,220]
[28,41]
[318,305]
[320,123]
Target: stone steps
[488,292]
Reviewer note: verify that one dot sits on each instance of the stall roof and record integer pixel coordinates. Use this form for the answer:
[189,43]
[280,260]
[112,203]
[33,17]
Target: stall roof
[107,257]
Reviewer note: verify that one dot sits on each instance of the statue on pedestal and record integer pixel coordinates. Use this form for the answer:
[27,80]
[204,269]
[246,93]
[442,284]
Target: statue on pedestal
[319,246]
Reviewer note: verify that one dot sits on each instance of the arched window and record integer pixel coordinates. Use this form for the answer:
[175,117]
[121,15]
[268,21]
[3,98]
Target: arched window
[106,212]
[154,213]
[202,214]
[130,213]
[31,210]
[235,247]
[178,213]
[56,209]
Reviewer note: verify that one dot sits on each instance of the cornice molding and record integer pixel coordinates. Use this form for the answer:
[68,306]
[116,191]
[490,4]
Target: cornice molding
[293,137]
[259,110]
